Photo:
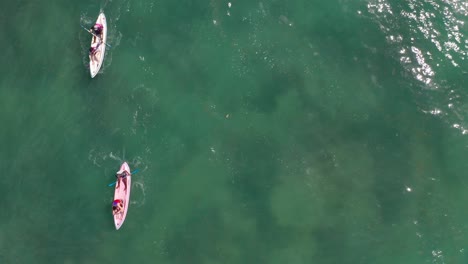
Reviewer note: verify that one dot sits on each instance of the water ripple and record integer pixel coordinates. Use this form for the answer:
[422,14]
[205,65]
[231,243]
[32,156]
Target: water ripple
[428,41]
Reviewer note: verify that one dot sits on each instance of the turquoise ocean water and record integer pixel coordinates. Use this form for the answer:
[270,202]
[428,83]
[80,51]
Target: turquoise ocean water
[303,131]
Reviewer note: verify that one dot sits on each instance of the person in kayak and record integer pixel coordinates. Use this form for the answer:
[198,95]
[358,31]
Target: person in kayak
[97,30]
[117,206]
[122,176]
[93,50]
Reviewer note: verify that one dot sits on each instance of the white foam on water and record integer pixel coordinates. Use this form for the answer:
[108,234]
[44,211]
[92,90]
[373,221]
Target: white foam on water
[99,158]
[139,187]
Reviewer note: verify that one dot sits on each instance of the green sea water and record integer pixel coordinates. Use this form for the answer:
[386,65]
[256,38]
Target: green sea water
[304,131]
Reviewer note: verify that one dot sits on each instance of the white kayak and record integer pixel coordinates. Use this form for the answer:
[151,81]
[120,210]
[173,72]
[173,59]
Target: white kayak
[95,62]
[123,195]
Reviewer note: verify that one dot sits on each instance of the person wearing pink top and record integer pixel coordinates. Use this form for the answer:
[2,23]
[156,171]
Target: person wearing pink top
[97,30]
[117,206]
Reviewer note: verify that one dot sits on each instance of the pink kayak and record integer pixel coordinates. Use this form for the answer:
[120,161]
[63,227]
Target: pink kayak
[122,194]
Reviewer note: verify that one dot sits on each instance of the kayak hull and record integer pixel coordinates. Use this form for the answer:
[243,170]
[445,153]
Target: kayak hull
[95,62]
[124,195]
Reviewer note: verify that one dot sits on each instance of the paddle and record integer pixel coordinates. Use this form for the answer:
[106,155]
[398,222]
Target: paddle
[112,184]
[95,35]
